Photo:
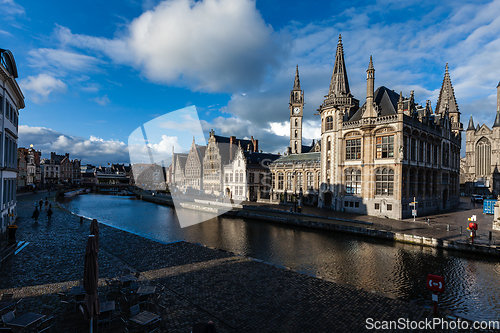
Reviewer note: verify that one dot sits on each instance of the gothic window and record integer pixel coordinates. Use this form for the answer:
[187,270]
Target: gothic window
[310,180]
[299,181]
[328,145]
[329,123]
[483,157]
[435,154]
[296,133]
[296,150]
[384,181]
[385,146]
[446,155]
[420,151]
[289,181]
[353,149]
[428,153]
[353,181]
[296,123]
[413,149]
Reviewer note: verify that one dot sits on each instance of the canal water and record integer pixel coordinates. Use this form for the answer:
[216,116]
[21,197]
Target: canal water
[472,282]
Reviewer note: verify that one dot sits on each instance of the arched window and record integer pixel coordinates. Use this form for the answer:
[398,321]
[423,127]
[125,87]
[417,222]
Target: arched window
[353,181]
[483,157]
[299,181]
[289,181]
[296,133]
[384,181]
[329,123]
[296,122]
[280,181]
[310,180]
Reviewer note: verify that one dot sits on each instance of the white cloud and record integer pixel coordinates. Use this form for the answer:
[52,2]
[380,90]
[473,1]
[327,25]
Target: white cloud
[62,61]
[102,100]
[10,8]
[210,45]
[93,150]
[42,85]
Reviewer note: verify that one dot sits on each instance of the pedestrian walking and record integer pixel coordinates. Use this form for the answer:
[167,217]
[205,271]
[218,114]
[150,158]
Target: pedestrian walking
[49,213]
[35,214]
[46,203]
[40,204]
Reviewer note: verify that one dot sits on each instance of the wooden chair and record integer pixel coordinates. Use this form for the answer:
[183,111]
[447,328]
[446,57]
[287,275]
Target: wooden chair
[8,317]
[45,326]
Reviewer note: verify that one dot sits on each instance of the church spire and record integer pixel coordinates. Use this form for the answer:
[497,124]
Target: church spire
[296,83]
[339,85]
[471,124]
[446,100]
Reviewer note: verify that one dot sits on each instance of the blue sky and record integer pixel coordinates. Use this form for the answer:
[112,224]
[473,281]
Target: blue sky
[92,72]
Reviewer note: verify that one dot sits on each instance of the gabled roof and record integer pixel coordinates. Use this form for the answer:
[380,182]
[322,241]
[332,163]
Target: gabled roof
[386,101]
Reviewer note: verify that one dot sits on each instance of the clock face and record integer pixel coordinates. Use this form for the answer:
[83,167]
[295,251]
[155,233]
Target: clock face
[296,110]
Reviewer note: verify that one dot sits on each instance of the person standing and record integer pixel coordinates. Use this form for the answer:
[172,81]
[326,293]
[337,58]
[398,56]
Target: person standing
[40,204]
[49,213]
[35,214]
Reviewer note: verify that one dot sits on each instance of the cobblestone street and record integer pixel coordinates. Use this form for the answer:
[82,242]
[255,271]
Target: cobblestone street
[238,294]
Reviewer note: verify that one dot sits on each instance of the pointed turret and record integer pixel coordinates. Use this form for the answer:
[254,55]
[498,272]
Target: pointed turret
[370,84]
[497,120]
[447,98]
[339,85]
[296,83]
[471,124]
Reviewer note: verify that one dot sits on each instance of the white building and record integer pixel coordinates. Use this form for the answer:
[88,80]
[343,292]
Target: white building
[11,101]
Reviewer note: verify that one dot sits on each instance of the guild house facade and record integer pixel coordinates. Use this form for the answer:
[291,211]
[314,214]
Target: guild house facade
[379,157]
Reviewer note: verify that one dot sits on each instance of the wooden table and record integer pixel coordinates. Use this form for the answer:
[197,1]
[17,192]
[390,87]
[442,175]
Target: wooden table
[127,278]
[107,306]
[78,290]
[145,317]
[146,290]
[26,320]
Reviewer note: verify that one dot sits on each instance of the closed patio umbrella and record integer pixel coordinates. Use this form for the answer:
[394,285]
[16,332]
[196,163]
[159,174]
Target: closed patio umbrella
[91,274]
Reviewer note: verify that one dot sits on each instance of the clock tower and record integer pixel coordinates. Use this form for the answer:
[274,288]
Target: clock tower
[296,113]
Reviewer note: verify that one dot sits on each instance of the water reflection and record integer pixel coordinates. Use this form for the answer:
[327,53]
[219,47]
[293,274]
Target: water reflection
[394,268]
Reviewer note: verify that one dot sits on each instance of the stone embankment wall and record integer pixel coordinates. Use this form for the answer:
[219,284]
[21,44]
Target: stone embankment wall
[382,234]
[295,219]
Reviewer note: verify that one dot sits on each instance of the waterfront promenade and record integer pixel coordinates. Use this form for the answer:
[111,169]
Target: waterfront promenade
[237,293]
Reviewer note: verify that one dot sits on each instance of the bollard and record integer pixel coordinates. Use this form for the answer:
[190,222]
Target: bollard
[491,235]
[81,219]
[447,227]
[460,230]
